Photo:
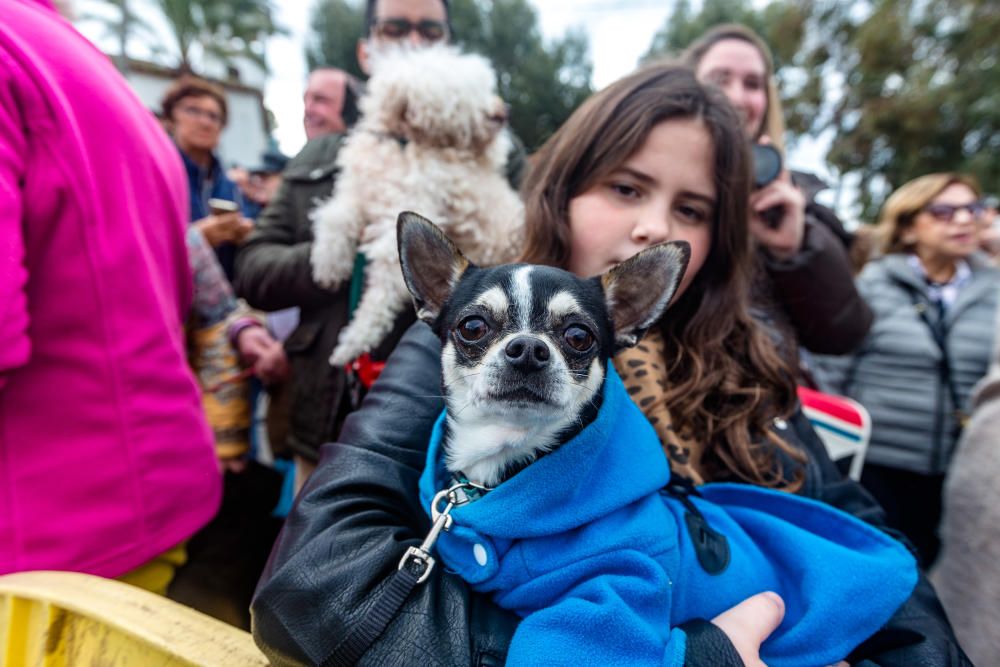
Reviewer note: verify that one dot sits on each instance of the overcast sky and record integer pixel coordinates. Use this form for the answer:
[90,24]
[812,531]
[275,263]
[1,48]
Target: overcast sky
[620,32]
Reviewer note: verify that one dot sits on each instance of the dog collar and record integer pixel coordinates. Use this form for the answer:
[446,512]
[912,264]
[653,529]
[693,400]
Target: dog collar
[467,490]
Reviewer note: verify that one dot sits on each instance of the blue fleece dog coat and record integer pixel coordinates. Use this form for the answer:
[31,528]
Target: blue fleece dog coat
[596,558]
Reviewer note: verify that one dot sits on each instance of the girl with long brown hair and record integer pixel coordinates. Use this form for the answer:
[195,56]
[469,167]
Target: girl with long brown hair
[654,157]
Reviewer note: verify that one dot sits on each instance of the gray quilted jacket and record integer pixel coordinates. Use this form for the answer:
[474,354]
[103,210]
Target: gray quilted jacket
[899,372]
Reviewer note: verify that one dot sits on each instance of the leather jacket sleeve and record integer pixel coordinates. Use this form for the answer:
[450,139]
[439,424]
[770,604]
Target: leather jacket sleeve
[816,291]
[350,526]
[360,511]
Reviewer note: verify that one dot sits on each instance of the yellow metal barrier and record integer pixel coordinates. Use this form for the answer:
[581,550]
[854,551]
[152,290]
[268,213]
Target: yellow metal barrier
[66,619]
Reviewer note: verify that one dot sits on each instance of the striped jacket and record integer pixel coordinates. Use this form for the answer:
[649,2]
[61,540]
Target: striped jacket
[903,376]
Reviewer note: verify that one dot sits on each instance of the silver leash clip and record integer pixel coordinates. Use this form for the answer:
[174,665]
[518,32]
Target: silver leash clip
[440,521]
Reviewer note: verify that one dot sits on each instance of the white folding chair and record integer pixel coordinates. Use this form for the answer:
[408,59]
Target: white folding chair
[843,424]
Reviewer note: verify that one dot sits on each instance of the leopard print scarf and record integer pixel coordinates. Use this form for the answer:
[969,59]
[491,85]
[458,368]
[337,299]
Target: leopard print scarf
[645,377]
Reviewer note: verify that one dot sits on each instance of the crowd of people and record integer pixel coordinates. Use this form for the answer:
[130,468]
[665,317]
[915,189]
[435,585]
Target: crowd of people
[153,302]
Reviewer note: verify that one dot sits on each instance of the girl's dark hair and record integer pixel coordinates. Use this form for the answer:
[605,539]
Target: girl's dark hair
[726,380]
[192,86]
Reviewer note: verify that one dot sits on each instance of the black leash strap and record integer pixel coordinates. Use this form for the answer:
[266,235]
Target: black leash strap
[374,623]
[414,568]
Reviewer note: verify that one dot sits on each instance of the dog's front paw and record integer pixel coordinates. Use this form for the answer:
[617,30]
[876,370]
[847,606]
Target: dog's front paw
[344,353]
[336,231]
[324,265]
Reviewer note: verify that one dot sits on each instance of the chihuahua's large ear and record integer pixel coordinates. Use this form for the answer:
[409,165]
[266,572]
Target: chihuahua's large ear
[639,289]
[431,263]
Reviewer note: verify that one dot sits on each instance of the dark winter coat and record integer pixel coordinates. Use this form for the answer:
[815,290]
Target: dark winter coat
[812,296]
[360,510]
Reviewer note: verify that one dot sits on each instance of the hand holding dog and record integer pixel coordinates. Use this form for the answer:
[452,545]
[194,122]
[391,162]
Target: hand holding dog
[751,622]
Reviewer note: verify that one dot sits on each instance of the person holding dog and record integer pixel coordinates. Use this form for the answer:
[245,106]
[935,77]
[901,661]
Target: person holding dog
[803,280]
[672,165]
[274,269]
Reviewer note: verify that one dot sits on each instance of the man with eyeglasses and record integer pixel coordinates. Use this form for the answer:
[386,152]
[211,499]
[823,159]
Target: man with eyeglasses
[195,113]
[274,270]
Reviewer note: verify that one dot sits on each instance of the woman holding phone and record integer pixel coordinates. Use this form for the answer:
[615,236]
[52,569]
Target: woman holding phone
[804,284]
[196,112]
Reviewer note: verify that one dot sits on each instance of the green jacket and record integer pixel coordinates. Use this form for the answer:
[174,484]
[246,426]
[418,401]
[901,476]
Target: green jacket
[273,271]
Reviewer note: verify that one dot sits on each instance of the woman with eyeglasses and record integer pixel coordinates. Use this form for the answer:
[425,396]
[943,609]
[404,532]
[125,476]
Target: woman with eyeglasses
[195,111]
[935,298]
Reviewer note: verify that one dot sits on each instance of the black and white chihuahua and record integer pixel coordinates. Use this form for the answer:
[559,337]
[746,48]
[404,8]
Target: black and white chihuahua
[525,348]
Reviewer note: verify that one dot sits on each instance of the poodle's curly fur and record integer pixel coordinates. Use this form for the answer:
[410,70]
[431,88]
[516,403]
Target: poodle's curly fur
[429,140]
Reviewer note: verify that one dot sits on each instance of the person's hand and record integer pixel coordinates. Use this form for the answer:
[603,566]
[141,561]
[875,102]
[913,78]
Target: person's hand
[234,465]
[267,356]
[778,215]
[220,228]
[750,622]
[787,203]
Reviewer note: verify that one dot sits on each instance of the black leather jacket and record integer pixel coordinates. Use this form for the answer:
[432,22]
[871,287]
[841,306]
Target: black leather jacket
[360,511]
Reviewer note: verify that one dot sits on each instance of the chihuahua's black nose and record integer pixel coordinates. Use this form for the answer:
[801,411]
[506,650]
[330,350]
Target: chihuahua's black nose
[527,353]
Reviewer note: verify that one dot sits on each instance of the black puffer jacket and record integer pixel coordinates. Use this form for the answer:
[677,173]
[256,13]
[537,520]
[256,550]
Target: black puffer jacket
[360,511]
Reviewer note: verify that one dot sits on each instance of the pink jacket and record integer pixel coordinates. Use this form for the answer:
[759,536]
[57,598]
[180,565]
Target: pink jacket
[105,456]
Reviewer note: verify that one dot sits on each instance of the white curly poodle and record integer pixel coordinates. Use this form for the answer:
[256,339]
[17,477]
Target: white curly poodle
[431,139]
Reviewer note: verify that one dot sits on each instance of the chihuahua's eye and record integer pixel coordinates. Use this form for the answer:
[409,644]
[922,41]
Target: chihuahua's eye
[472,329]
[579,338]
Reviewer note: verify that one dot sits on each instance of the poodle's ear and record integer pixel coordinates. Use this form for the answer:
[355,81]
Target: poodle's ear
[638,290]
[432,265]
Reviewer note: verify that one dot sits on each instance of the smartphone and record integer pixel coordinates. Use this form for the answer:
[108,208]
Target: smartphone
[219,206]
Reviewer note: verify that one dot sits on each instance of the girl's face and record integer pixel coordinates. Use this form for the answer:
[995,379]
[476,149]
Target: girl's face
[738,68]
[663,192]
[944,231]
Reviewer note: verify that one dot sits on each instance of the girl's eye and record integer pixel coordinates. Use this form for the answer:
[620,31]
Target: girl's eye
[579,338]
[692,213]
[625,190]
[472,329]
[753,84]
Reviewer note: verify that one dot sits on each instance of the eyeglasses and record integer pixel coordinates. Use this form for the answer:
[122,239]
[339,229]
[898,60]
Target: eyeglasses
[947,212]
[195,112]
[399,28]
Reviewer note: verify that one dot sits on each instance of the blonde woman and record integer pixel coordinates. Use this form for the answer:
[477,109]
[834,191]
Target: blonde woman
[935,299]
